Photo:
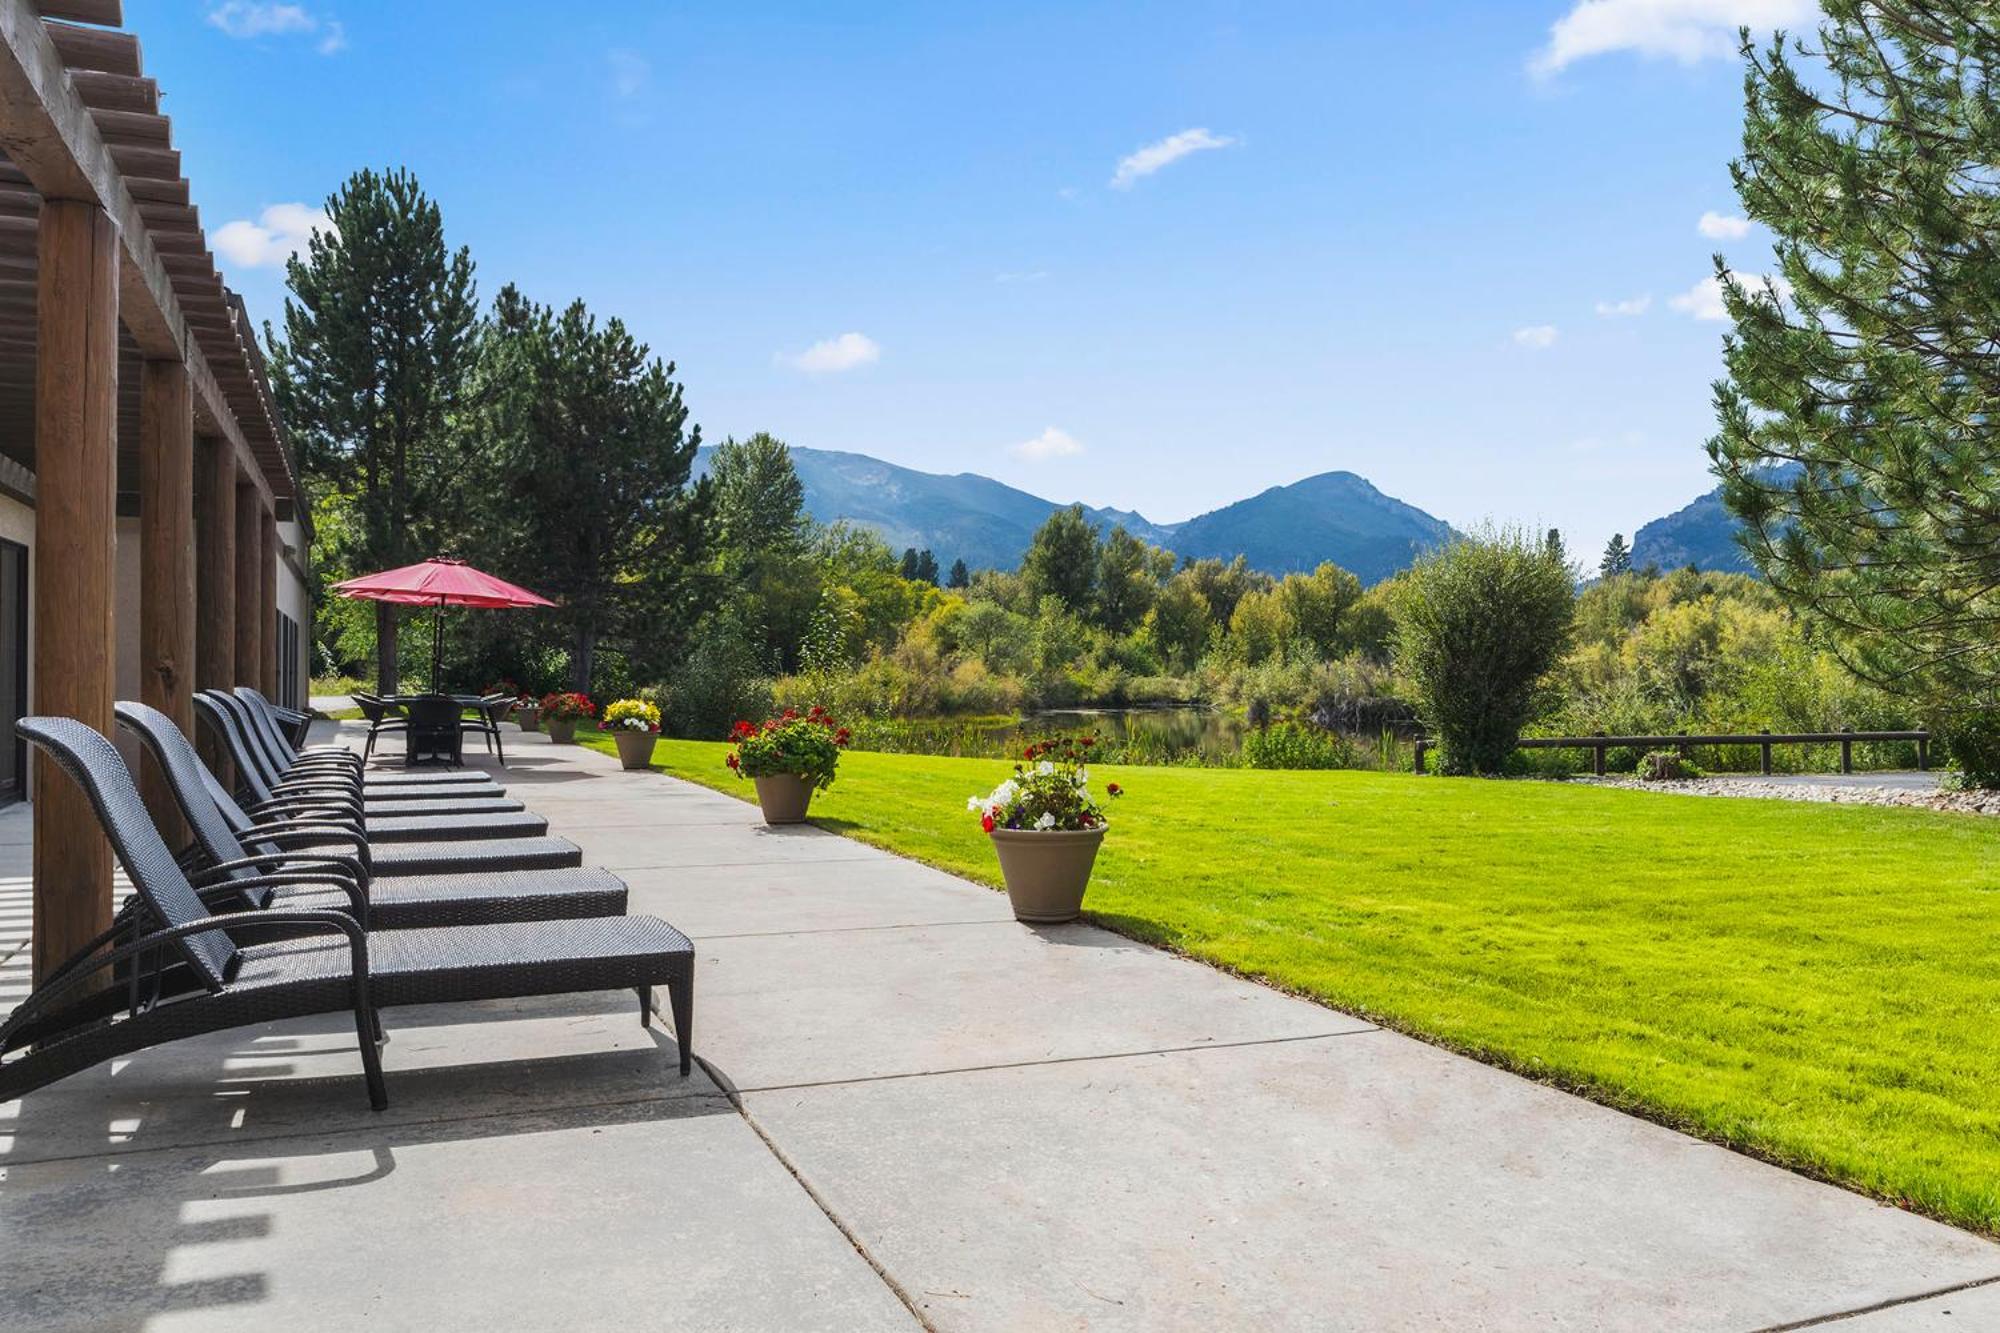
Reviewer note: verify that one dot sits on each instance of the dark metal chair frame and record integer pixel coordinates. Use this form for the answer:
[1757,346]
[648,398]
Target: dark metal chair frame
[249,865]
[491,710]
[187,973]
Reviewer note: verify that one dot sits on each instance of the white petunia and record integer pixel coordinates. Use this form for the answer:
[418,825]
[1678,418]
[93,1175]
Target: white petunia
[1044,768]
[973,803]
[1046,822]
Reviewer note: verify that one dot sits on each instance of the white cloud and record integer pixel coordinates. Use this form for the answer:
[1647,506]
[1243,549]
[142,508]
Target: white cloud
[1683,30]
[1625,309]
[1051,443]
[630,73]
[1722,227]
[1704,299]
[1537,336]
[262,18]
[1165,153]
[277,235]
[830,356]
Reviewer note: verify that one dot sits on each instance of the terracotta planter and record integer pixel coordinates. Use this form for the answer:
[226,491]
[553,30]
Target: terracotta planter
[562,730]
[529,718]
[1046,873]
[635,748]
[784,798]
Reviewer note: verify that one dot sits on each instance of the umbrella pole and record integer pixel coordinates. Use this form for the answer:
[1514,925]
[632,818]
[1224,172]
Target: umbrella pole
[437,646]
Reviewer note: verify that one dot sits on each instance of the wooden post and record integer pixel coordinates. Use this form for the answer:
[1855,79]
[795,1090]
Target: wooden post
[1418,765]
[1597,757]
[267,595]
[215,583]
[1766,747]
[249,586]
[1924,753]
[1847,752]
[166,570]
[76,520]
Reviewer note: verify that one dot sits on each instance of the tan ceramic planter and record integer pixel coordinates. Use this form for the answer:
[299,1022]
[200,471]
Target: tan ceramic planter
[784,798]
[1046,873]
[529,718]
[562,730]
[635,748]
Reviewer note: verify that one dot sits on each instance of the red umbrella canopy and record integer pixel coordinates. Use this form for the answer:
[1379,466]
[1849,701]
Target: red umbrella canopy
[440,582]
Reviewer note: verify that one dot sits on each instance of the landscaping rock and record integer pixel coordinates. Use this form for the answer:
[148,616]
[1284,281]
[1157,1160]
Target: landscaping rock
[1859,792]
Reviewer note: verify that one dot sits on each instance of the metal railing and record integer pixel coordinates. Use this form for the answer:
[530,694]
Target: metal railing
[1598,743]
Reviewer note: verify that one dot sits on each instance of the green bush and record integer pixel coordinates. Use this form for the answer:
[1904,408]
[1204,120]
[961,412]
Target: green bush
[1667,766]
[1298,745]
[1971,740]
[1479,626]
[721,681]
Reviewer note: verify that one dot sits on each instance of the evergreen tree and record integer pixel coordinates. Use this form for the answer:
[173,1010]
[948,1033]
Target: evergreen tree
[764,540]
[961,577]
[908,567]
[1062,561]
[1617,557]
[1125,585]
[1856,435]
[379,332]
[591,430]
[927,569]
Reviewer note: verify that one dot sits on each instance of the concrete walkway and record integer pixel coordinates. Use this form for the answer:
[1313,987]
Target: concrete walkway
[916,1111]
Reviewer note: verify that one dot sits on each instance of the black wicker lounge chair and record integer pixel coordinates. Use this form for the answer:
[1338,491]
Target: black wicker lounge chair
[186,971]
[281,762]
[229,718]
[387,820]
[246,878]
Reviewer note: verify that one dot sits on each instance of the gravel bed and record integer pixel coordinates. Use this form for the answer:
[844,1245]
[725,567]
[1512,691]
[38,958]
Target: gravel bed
[1857,793]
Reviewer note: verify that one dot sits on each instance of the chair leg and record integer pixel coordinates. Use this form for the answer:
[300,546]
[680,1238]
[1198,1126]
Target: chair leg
[366,1025]
[680,996]
[645,1006]
[499,747]
[368,749]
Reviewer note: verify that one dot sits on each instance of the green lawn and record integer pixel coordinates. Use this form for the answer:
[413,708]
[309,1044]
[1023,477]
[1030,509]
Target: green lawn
[1816,984]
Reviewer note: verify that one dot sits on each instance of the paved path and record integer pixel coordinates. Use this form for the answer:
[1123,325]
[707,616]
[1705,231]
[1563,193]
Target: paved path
[915,1111]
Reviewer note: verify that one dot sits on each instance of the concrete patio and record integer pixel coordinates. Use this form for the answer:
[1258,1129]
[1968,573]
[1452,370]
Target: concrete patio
[912,1111]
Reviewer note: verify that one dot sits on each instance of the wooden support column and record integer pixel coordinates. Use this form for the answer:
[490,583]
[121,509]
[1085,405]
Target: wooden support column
[76,521]
[268,597]
[249,585]
[166,570]
[215,582]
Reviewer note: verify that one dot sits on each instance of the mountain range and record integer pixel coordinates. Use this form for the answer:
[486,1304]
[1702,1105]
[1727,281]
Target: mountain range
[1335,516]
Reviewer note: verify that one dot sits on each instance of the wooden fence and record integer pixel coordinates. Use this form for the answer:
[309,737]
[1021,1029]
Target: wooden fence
[1599,744]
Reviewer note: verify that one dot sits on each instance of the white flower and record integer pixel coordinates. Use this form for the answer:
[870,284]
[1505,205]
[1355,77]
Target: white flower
[1046,822]
[1004,793]
[974,804]
[1044,768]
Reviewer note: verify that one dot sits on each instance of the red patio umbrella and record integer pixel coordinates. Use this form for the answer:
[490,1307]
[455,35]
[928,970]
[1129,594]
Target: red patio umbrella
[440,582]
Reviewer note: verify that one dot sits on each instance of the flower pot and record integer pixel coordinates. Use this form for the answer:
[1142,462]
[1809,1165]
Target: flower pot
[635,748]
[784,798]
[562,730]
[1046,873]
[529,718]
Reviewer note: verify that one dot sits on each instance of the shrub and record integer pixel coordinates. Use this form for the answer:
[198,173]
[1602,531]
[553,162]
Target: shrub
[1297,745]
[1971,740]
[722,678]
[1479,624]
[805,745]
[1049,792]
[1667,766]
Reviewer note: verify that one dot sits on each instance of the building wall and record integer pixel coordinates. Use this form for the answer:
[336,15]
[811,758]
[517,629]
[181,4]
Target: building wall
[295,602]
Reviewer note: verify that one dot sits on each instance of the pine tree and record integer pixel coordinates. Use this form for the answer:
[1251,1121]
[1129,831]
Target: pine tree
[927,569]
[1617,557]
[379,331]
[591,429]
[907,567]
[1856,439]
[961,577]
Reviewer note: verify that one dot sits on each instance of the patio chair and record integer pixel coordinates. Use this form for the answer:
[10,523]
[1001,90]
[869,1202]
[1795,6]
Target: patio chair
[333,811]
[238,871]
[435,731]
[282,760]
[188,971]
[382,716]
[486,717]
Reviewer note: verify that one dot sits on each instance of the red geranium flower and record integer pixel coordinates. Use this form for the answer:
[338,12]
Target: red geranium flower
[986,822]
[1113,789]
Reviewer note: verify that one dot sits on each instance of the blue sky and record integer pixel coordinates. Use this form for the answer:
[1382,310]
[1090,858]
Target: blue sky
[1152,255]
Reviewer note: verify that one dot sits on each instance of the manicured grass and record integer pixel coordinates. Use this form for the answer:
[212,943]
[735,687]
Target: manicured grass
[1816,984]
